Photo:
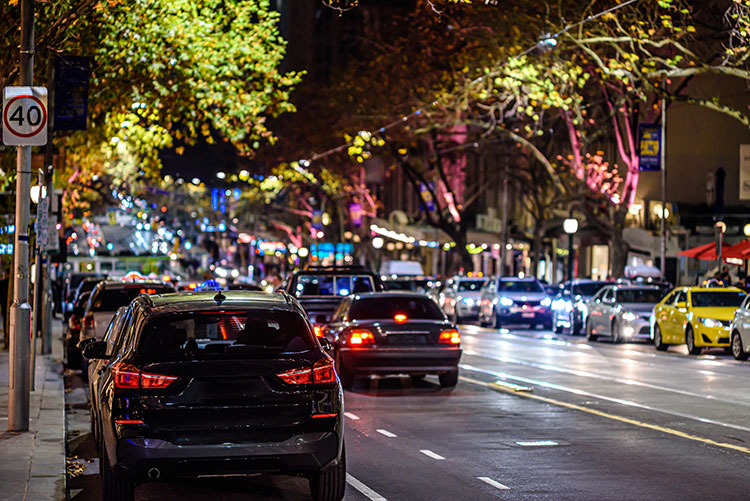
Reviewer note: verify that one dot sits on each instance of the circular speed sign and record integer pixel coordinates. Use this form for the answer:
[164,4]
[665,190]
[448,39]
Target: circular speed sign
[25,115]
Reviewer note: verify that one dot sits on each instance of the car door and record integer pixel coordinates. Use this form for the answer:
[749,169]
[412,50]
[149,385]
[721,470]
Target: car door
[742,322]
[678,317]
[608,311]
[595,307]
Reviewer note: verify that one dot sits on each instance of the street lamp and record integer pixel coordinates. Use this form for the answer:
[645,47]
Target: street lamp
[570,226]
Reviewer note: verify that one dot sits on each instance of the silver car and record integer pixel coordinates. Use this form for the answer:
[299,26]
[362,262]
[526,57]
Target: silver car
[511,300]
[622,312]
[460,297]
[740,331]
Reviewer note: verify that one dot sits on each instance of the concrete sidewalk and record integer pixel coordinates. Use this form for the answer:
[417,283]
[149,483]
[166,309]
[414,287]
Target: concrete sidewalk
[33,462]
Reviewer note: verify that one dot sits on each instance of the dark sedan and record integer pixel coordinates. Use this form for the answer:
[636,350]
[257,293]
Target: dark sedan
[394,333]
[216,383]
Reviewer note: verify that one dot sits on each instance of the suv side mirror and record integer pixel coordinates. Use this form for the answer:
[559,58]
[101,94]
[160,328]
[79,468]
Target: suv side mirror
[95,350]
[325,344]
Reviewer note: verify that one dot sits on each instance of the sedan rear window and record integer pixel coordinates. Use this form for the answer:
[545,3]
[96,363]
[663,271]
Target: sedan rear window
[470,285]
[639,296]
[717,299]
[373,308]
[224,335]
[112,299]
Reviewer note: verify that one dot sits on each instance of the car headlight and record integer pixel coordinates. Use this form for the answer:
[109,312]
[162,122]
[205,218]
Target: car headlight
[546,302]
[563,305]
[506,301]
[467,301]
[629,316]
[709,322]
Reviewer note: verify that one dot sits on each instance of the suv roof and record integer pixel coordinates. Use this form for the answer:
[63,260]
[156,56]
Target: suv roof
[175,302]
[337,270]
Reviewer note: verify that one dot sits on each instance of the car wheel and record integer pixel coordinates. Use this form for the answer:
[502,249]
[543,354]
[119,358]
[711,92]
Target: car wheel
[346,377]
[558,329]
[590,336]
[449,379]
[496,322]
[690,342]
[616,332]
[115,486]
[737,351]
[658,343]
[330,484]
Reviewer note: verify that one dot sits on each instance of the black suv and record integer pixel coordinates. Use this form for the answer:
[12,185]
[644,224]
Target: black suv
[320,289]
[215,383]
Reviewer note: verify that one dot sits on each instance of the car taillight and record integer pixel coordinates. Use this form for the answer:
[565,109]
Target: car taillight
[400,318]
[318,330]
[451,336]
[88,321]
[322,372]
[360,337]
[74,323]
[129,377]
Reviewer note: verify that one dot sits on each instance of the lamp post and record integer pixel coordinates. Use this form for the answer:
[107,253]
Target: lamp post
[570,226]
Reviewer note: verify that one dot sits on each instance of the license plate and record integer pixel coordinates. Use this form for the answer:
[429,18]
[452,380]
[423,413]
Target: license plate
[527,315]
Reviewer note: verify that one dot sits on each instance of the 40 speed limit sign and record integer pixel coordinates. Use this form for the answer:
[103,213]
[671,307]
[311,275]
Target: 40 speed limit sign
[24,116]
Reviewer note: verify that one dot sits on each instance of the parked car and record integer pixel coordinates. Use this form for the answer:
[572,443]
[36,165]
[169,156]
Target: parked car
[698,317]
[320,289]
[85,286]
[460,297]
[511,300]
[70,284]
[622,312]
[72,334]
[405,283]
[393,333]
[216,383]
[570,305]
[740,331]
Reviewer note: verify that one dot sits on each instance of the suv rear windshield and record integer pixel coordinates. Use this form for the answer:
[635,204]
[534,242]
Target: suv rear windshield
[224,335]
[708,299]
[332,285]
[388,307]
[470,285]
[639,296]
[110,299]
[519,286]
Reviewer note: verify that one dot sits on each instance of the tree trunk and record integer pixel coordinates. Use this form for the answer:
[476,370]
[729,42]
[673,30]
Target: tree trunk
[618,244]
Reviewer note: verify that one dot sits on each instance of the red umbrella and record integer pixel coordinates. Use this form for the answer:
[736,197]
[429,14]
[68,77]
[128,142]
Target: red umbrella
[739,250]
[706,252]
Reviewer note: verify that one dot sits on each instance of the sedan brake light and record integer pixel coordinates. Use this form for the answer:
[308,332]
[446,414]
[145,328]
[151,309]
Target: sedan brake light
[400,318]
[129,377]
[74,323]
[360,337]
[321,373]
[451,336]
[318,330]
[88,321]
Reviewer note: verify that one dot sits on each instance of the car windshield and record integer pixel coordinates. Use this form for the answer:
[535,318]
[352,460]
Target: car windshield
[112,299]
[588,289]
[470,285]
[374,308]
[713,299]
[407,285]
[639,296]
[519,286]
[332,285]
[224,335]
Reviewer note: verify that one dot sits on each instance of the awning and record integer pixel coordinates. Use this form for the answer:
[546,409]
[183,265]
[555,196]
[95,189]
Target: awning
[739,250]
[706,252]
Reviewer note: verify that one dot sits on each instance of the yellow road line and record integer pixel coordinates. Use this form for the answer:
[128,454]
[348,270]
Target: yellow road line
[641,424]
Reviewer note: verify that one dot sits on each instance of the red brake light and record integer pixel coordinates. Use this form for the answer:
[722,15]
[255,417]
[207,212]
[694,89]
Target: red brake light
[400,318]
[88,321]
[321,372]
[128,377]
[148,291]
[192,285]
[74,323]
[361,337]
[451,336]
[318,330]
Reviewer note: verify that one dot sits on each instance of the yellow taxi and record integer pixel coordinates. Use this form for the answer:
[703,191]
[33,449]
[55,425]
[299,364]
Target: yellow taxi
[696,316]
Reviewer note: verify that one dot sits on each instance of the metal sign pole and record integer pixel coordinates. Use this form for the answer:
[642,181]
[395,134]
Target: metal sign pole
[20,311]
[663,161]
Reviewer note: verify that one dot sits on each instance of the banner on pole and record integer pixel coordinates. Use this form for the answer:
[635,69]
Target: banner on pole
[649,147]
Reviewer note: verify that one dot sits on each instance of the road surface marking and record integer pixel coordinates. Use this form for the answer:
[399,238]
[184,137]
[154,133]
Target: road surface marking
[430,454]
[351,416]
[580,373]
[386,433]
[620,401]
[494,483]
[615,417]
[537,443]
[512,387]
[366,491]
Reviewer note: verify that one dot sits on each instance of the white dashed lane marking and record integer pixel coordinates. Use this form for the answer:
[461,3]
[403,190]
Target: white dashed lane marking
[431,454]
[386,433]
[366,491]
[493,483]
[351,416]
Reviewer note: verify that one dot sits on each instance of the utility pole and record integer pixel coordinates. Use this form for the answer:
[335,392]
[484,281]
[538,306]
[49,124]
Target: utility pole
[663,162]
[49,174]
[20,310]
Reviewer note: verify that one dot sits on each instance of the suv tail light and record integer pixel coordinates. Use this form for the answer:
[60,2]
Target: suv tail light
[318,330]
[88,321]
[129,377]
[74,323]
[321,373]
[360,337]
[451,336]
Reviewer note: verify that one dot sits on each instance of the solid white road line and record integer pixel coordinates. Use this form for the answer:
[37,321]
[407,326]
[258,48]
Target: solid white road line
[552,386]
[366,491]
[351,416]
[493,483]
[386,433]
[430,454]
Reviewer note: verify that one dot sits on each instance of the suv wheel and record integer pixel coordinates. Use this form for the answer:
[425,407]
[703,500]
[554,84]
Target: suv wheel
[495,319]
[116,487]
[590,336]
[330,484]
[658,342]
[737,351]
[449,379]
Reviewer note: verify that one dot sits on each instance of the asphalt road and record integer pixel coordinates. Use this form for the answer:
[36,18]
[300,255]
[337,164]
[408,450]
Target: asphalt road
[534,416]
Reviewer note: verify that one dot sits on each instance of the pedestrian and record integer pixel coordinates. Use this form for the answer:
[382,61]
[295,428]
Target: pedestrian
[726,277]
